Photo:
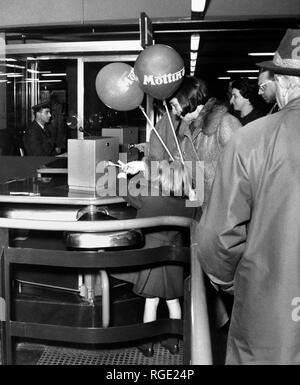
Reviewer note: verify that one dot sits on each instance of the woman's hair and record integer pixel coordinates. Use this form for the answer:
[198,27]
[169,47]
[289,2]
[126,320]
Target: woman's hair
[247,89]
[191,94]
[158,107]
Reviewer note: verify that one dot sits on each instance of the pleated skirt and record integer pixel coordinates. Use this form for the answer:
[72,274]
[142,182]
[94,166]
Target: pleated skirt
[163,281]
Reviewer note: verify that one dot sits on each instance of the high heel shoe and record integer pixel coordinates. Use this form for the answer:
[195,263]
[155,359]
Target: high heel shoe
[146,349]
[171,344]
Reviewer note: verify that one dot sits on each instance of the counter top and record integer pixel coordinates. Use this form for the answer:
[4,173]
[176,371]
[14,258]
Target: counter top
[53,190]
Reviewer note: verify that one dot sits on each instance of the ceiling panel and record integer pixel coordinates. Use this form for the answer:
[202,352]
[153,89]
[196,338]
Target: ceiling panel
[224,42]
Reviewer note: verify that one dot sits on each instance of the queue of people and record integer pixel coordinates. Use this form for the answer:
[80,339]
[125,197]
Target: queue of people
[249,232]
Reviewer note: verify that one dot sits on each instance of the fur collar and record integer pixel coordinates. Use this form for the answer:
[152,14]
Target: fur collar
[210,117]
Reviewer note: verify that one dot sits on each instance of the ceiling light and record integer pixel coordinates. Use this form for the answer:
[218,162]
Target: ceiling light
[7,59]
[49,81]
[54,74]
[27,81]
[198,5]
[13,66]
[13,75]
[194,55]
[75,47]
[252,77]
[241,71]
[261,53]
[224,77]
[38,72]
[195,40]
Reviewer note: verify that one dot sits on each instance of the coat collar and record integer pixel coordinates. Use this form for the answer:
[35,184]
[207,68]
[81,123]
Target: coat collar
[207,121]
[292,104]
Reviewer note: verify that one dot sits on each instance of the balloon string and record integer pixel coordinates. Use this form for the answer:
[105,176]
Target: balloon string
[173,130]
[159,137]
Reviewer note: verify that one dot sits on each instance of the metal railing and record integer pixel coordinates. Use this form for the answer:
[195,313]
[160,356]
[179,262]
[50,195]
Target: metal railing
[200,343]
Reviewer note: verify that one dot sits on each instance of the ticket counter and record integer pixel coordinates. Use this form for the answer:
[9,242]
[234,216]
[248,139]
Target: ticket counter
[38,204]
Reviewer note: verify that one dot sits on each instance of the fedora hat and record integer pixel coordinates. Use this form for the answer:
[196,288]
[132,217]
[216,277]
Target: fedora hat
[286,60]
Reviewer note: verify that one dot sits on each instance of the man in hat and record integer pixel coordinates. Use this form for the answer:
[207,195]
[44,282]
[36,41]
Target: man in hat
[37,139]
[249,240]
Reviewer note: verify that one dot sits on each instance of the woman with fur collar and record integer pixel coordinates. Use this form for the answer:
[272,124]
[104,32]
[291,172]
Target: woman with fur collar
[203,126]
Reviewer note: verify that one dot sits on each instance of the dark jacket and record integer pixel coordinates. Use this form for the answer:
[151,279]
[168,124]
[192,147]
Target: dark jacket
[249,237]
[37,141]
[253,115]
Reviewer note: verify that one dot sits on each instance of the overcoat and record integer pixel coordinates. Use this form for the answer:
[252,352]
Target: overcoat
[249,237]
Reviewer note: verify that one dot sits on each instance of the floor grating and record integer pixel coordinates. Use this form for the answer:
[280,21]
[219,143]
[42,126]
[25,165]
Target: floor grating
[128,356]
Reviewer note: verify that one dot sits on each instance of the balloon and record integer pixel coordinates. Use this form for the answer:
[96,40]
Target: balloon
[160,70]
[118,87]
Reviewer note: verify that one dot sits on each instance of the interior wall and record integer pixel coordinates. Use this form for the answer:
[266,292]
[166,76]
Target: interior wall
[244,8]
[33,12]
[45,12]
[131,9]
[2,88]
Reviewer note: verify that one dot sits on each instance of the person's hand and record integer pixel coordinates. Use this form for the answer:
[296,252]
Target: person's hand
[122,175]
[140,146]
[133,167]
[192,195]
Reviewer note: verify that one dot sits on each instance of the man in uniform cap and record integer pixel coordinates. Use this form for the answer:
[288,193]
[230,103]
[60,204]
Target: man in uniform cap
[249,234]
[37,139]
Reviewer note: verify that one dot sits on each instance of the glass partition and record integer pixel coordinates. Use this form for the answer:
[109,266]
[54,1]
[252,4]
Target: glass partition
[71,81]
